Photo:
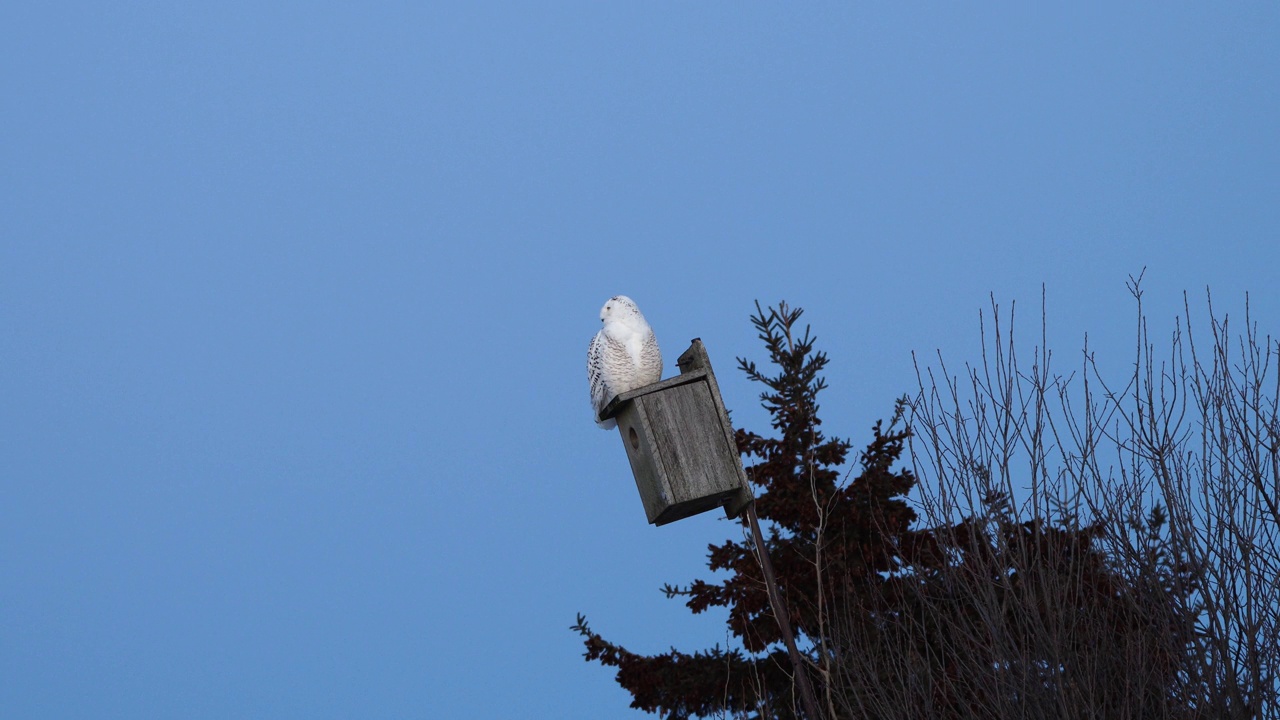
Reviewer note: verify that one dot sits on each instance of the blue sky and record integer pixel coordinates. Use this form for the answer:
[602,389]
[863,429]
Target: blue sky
[295,300]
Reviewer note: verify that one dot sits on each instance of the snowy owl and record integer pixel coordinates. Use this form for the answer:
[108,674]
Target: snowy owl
[623,356]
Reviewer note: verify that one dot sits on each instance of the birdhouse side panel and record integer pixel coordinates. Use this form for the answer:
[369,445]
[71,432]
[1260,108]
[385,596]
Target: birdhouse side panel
[655,494]
[690,444]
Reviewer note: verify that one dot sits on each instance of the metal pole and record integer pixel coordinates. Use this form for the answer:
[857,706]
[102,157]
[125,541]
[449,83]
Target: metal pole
[780,613]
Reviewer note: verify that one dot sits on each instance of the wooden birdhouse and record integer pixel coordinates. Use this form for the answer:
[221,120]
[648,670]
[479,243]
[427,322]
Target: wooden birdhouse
[680,444]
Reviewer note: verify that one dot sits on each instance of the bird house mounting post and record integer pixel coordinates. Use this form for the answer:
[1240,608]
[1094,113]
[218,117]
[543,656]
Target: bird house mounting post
[680,444]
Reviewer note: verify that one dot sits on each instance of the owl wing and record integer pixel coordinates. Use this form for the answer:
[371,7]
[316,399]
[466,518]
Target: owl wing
[599,378]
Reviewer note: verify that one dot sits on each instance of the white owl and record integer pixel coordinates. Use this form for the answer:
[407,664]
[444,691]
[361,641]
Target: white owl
[623,356]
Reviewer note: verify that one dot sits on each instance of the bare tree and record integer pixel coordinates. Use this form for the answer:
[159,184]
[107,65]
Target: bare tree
[1172,473]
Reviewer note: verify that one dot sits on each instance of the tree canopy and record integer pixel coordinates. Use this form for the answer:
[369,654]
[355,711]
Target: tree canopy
[962,603]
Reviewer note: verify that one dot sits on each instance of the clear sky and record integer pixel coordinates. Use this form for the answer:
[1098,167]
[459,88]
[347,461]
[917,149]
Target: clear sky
[295,301]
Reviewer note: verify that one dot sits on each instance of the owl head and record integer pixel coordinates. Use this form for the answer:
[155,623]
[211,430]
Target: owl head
[620,308]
